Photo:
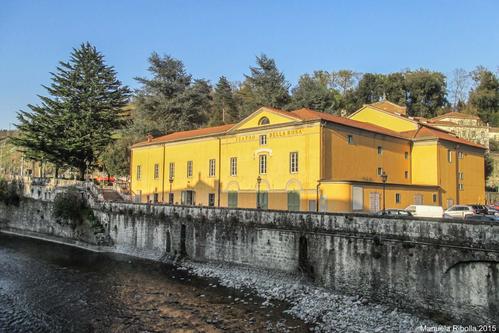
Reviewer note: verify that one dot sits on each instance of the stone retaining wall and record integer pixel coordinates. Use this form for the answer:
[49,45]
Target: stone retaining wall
[448,270]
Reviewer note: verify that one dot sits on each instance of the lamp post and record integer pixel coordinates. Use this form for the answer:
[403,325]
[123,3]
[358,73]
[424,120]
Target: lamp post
[258,182]
[384,178]
[170,197]
[317,195]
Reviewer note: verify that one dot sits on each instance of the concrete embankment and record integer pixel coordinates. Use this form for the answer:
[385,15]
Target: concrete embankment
[446,270]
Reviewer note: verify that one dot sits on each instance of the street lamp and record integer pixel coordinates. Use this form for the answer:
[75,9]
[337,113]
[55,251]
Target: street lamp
[258,182]
[170,195]
[317,199]
[384,178]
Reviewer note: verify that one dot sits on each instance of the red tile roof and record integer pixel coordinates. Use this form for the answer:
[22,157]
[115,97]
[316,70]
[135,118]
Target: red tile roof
[307,114]
[455,115]
[431,132]
[175,136]
[390,107]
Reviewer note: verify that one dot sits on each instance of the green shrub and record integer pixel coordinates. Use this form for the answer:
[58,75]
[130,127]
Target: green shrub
[70,206]
[10,192]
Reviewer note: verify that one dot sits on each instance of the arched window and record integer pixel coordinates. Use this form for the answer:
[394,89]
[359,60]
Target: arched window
[263,121]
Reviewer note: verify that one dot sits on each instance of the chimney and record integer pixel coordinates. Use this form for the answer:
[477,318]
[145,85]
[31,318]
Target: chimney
[149,137]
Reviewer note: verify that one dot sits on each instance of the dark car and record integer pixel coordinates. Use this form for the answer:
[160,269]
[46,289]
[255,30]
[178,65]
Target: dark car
[394,212]
[480,209]
[482,218]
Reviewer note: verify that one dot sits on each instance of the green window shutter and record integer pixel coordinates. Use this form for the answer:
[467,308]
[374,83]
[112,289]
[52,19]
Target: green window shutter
[293,201]
[264,200]
[232,198]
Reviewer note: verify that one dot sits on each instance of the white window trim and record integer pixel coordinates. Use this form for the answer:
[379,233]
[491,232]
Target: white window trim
[262,167]
[293,163]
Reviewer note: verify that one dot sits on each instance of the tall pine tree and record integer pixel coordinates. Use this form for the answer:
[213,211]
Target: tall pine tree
[265,86]
[73,125]
[171,100]
[225,106]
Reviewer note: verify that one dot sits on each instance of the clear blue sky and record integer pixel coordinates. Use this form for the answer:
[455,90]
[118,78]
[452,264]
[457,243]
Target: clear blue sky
[216,38]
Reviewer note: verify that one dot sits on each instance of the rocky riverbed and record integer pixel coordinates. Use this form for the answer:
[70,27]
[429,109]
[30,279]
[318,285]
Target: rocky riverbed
[325,310]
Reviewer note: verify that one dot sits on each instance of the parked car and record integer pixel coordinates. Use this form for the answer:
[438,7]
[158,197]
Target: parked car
[479,209]
[425,211]
[491,210]
[459,211]
[482,218]
[394,212]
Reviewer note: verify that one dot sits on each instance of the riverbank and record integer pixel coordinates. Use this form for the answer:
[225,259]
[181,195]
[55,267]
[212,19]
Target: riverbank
[51,287]
[324,310]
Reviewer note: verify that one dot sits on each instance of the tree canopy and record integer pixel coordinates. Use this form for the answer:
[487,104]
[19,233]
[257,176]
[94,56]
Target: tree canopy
[74,124]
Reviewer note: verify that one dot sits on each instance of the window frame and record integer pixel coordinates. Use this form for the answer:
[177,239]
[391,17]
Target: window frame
[138,174]
[262,164]
[380,150]
[190,169]
[212,167]
[398,198]
[449,155]
[350,139]
[263,121]
[233,166]
[379,171]
[293,162]
[156,171]
[171,170]
[262,139]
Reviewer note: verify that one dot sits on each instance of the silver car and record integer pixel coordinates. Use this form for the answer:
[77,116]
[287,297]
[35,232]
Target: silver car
[459,211]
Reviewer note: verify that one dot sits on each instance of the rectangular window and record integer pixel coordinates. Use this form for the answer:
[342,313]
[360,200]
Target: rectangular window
[139,172]
[357,198]
[212,166]
[380,150]
[156,171]
[461,175]
[406,155]
[449,156]
[460,155]
[350,139]
[434,197]
[263,140]
[461,187]
[233,166]
[406,174]
[262,167]
[189,168]
[211,199]
[293,162]
[380,171]
[171,170]
[232,198]
[397,197]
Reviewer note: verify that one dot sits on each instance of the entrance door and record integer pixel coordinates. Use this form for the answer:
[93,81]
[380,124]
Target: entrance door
[188,197]
[211,199]
[232,198]
[264,200]
[418,199]
[293,201]
[374,201]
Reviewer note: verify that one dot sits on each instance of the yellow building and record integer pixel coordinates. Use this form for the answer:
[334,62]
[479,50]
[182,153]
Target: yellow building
[307,160]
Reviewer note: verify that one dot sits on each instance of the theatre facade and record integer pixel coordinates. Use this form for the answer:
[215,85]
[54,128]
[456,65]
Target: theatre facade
[305,160]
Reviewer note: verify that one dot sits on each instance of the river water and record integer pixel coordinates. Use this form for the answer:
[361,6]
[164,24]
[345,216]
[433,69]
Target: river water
[47,287]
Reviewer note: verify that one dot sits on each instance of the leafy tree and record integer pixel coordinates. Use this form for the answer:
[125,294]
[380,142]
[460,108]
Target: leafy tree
[370,89]
[425,92]
[344,80]
[265,86]
[171,100]
[74,125]
[225,104]
[459,84]
[314,91]
[488,166]
[116,158]
[395,88]
[485,96]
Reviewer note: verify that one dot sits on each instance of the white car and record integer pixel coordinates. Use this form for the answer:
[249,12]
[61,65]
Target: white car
[425,211]
[459,211]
